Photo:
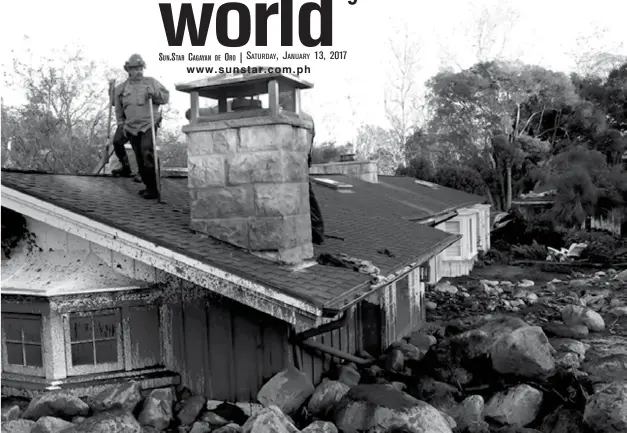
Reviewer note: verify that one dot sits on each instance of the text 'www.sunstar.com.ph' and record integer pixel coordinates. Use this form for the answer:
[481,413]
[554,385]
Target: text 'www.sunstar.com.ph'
[248,70]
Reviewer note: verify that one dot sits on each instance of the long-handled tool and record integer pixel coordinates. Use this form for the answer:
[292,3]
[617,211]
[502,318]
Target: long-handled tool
[108,152]
[154,150]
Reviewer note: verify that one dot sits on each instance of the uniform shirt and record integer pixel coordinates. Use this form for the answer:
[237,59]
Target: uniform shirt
[131,103]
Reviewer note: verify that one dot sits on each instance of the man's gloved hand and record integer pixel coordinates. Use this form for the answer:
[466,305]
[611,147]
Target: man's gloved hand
[149,94]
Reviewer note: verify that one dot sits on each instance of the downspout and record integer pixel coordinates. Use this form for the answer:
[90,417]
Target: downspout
[300,340]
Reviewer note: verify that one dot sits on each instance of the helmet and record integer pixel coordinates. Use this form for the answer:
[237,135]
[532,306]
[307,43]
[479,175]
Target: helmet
[134,60]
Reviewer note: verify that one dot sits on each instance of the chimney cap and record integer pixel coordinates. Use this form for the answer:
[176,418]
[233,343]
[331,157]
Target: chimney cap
[245,84]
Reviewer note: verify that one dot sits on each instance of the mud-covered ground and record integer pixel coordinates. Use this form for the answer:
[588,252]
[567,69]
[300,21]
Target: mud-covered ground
[601,291]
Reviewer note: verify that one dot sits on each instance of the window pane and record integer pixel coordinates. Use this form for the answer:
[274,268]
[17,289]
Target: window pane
[12,328]
[80,328]
[33,355]
[82,354]
[106,351]
[32,330]
[105,326]
[14,353]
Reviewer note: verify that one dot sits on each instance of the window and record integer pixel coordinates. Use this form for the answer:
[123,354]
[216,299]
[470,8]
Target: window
[425,271]
[93,342]
[403,306]
[21,340]
[454,250]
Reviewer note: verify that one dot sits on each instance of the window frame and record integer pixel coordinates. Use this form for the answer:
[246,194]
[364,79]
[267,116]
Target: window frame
[80,370]
[448,253]
[24,369]
[472,237]
[408,304]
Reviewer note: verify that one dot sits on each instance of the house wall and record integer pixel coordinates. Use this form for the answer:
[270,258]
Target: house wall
[446,265]
[612,222]
[221,349]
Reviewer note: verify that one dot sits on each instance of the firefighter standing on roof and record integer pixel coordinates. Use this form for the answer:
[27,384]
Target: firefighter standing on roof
[132,113]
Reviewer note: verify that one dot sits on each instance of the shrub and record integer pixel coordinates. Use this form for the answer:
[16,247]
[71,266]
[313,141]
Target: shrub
[535,251]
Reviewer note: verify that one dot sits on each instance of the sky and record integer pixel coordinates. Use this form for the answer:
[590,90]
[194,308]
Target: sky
[347,92]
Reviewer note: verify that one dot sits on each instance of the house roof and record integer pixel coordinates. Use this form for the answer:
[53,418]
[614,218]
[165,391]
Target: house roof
[399,196]
[366,226]
[433,199]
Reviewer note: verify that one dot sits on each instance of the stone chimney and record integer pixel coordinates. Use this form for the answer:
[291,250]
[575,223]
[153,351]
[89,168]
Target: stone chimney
[247,168]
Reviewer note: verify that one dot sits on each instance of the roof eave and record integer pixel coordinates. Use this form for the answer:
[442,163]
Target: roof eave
[366,289]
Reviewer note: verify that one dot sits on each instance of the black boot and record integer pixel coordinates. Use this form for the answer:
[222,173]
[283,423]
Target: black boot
[125,171]
[150,194]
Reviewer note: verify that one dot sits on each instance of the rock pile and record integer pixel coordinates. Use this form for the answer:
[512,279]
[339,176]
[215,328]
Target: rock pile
[491,373]
[556,369]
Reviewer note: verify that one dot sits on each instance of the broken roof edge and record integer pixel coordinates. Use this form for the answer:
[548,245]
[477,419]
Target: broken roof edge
[262,297]
[395,274]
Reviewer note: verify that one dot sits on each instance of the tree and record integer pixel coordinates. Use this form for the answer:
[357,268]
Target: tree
[401,102]
[486,29]
[62,127]
[376,143]
[493,112]
[63,123]
[328,152]
[585,185]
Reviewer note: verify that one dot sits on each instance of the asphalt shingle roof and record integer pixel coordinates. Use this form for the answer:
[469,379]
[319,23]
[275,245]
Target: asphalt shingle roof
[366,221]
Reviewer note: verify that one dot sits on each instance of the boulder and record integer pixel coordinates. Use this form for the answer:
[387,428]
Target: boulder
[61,404]
[524,352]
[190,409]
[214,420]
[409,351]
[325,397]
[476,427]
[607,368]
[288,390]
[563,420]
[421,340]
[349,376]
[320,427]
[157,409]
[477,342]
[566,331]
[201,427]
[469,411]
[567,360]
[18,426]
[519,405]
[440,395]
[395,361]
[579,315]
[229,428]
[123,397]
[569,345]
[269,420]
[377,408]
[50,424]
[115,421]
[446,287]
[621,276]
[10,413]
[606,410]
